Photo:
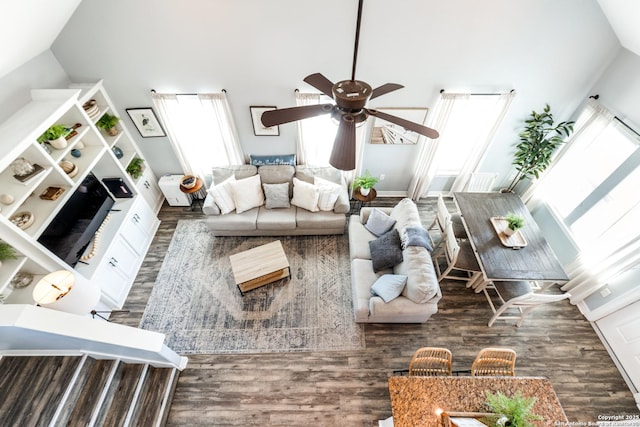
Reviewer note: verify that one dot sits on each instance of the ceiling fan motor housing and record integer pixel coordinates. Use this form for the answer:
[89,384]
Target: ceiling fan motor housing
[351,94]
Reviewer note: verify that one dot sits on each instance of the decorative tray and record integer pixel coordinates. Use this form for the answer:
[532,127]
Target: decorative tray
[515,241]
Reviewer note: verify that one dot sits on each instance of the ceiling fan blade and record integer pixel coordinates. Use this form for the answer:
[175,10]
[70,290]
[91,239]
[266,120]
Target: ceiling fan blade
[422,130]
[321,83]
[343,154]
[385,88]
[286,115]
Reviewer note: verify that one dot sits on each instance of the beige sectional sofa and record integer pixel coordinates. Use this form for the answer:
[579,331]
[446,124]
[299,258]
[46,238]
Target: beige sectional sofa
[272,217]
[421,293]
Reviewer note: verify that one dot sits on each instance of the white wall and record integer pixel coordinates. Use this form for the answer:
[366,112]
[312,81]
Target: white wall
[547,50]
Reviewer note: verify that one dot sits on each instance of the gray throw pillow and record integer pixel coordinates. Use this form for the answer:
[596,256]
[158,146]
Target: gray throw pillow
[389,286]
[386,251]
[379,222]
[276,195]
[416,236]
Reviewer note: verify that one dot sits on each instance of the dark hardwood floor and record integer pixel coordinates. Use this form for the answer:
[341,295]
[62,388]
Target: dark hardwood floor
[350,388]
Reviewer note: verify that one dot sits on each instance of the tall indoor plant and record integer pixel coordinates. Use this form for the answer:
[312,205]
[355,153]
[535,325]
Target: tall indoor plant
[538,141]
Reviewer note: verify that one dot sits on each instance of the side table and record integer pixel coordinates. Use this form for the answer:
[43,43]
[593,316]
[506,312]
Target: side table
[363,200]
[194,192]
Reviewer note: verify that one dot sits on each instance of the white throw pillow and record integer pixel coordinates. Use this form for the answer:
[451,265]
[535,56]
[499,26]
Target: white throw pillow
[223,196]
[247,193]
[305,195]
[329,192]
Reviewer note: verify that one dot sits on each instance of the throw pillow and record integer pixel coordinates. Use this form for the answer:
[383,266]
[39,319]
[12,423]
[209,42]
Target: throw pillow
[223,195]
[416,236]
[405,213]
[389,286]
[247,193]
[283,159]
[305,195]
[379,222]
[328,193]
[386,251]
[422,282]
[276,195]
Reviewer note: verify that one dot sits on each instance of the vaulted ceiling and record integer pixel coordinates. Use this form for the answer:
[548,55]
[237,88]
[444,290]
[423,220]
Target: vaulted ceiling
[31,26]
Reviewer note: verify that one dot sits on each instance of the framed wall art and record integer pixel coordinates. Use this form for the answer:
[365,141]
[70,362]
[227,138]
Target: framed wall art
[146,122]
[258,128]
[384,132]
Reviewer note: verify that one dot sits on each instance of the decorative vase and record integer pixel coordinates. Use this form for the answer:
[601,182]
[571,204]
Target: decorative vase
[365,191]
[508,232]
[76,153]
[113,131]
[59,143]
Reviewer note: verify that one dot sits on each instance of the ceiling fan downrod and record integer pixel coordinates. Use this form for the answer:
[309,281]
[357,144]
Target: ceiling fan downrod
[355,48]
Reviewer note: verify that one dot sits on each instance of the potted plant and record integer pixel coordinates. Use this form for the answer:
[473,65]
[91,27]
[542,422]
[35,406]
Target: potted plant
[108,122]
[135,167]
[6,252]
[538,141]
[365,183]
[55,135]
[513,411]
[514,223]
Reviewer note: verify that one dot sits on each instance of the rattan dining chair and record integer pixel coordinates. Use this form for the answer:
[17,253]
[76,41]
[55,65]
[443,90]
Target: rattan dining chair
[430,362]
[493,361]
[458,257]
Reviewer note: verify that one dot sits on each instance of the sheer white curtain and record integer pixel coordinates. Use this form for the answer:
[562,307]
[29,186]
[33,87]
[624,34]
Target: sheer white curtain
[602,206]
[489,111]
[316,136]
[424,172]
[201,130]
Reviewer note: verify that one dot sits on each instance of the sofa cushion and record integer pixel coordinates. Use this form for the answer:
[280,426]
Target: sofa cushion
[220,173]
[223,195]
[386,251]
[379,222]
[276,195]
[416,236]
[422,283]
[244,221]
[359,238]
[247,193]
[282,159]
[319,220]
[406,214]
[308,174]
[276,219]
[305,195]
[389,286]
[328,193]
[278,175]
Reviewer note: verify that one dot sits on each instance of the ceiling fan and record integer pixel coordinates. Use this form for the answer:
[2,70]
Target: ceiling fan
[350,98]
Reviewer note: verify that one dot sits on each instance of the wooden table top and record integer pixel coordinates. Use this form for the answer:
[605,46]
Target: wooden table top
[258,261]
[535,261]
[416,400]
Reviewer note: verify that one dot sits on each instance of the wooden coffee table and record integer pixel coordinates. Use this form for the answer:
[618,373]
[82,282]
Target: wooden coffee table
[259,266]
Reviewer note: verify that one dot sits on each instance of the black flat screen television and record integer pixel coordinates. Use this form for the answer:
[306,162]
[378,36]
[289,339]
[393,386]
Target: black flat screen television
[73,228]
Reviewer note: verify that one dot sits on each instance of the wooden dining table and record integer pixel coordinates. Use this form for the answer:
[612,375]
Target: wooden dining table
[535,261]
[419,401]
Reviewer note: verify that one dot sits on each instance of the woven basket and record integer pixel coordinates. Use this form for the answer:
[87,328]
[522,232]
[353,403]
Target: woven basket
[188,181]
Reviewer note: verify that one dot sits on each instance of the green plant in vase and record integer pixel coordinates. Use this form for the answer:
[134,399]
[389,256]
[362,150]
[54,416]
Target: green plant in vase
[55,135]
[365,183]
[515,411]
[135,168]
[108,122]
[514,223]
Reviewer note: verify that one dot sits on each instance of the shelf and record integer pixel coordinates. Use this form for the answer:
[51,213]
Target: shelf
[9,269]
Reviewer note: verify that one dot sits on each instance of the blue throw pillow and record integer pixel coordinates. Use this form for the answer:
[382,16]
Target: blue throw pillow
[389,286]
[416,236]
[285,159]
[379,222]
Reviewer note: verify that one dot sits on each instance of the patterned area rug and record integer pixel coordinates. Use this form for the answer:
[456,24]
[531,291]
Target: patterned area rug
[197,305]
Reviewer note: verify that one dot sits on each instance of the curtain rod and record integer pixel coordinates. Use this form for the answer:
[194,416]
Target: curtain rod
[484,94]
[186,94]
[597,96]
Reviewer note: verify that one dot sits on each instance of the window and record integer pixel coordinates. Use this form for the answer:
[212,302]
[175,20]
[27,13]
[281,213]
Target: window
[593,188]
[316,134]
[201,130]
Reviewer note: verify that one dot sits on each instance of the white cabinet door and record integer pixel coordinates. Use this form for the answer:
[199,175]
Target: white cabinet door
[621,329]
[150,190]
[140,227]
[117,271]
